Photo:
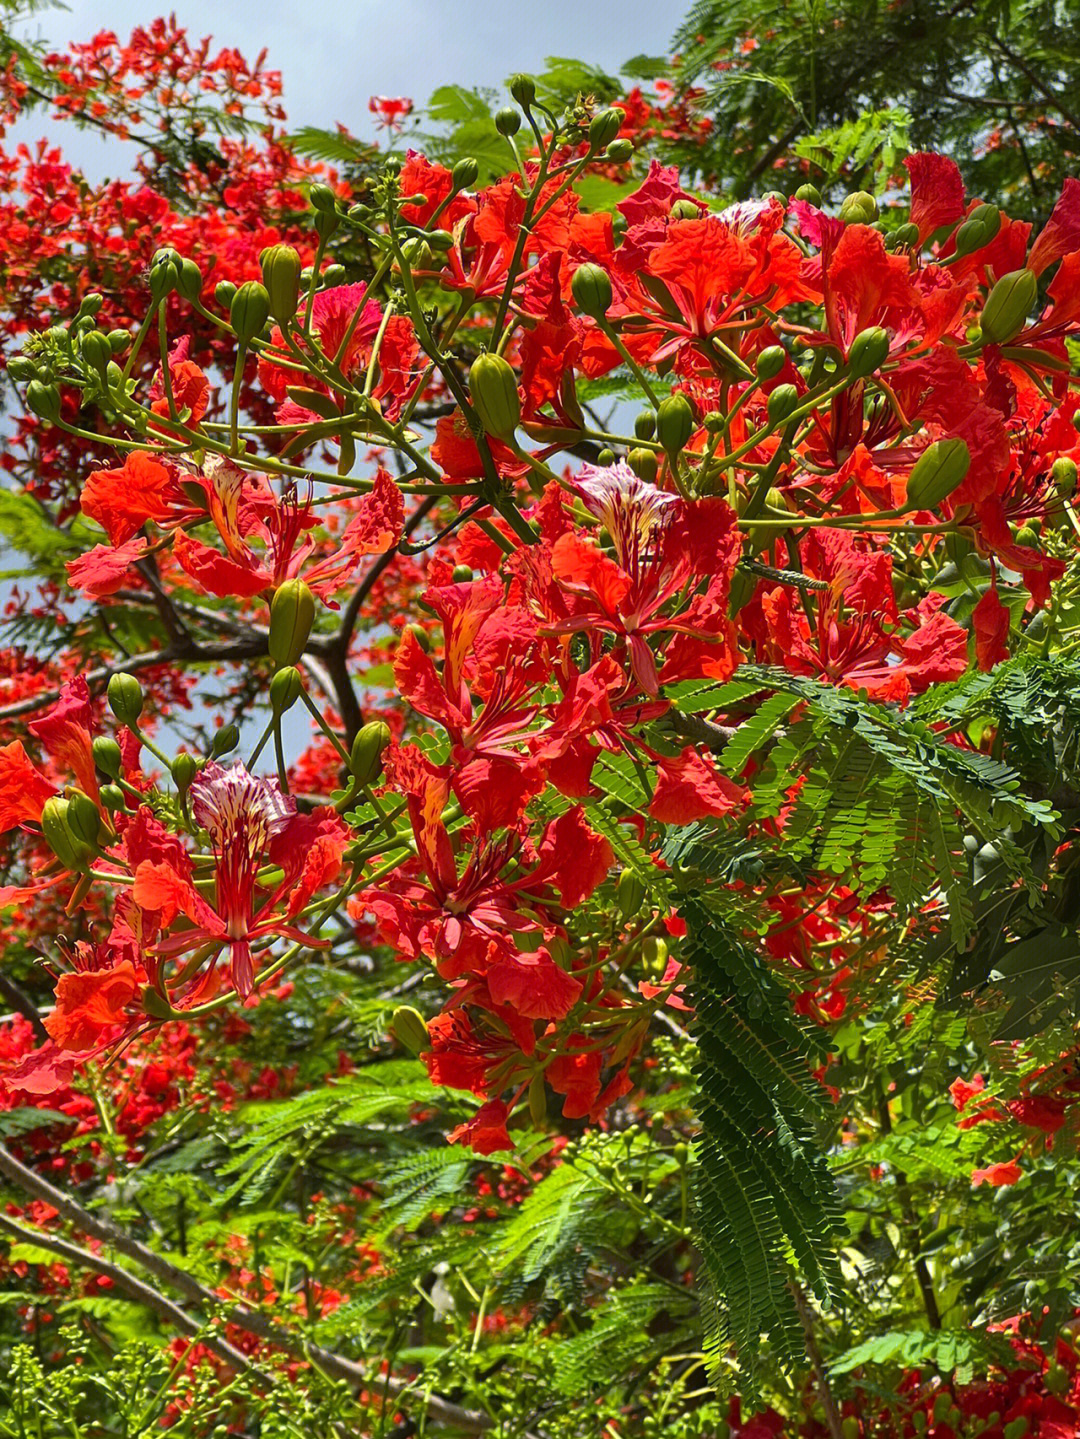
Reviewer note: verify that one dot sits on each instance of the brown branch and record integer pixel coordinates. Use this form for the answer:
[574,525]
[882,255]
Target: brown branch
[813,1353]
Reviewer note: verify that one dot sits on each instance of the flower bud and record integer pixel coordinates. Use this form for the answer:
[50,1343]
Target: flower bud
[1063,476]
[770,362]
[420,635]
[644,464]
[783,402]
[409,1028]
[184,768]
[326,222]
[285,689]
[465,173]
[331,276]
[292,613]
[685,210]
[72,852]
[507,121]
[163,278]
[605,457]
[494,394]
[523,90]
[645,425]
[189,281]
[538,1101]
[630,893]
[980,227]
[125,698]
[365,757]
[604,127]
[939,470]
[112,797]
[281,276]
[741,590]
[249,311]
[96,350]
[654,951]
[322,197]
[462,575]
[674,422]
[22,368]
[591,288]
[810,193]
[868,350]
[903,237]
[859,208]
[225,741]
[1007,307]
[83,817]
[107,756]
[119,340]
[224,291]
[43,400]
[619,151]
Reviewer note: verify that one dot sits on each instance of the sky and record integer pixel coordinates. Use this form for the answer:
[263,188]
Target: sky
[334,55]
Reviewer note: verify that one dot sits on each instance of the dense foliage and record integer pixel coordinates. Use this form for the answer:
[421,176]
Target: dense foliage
[505,647]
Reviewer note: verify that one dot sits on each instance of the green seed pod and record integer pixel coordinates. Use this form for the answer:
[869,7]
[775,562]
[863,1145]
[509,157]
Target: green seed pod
[980,227]
[903,237]
[644,464]
[365,757]
[285,689]
[507,121]
[1063,477]
[225,741]
[22,369]
[420,635]
[224,292]
[97,352]
[107,756]
[43,400]
[409,1028]
[604,127]
[249,311]
[184,769]
[281,276]
[292,613]
[630,893]
[605,457]
[494,394]
[810,193]
[125,698]
[523,90]
[674,422]
[783,402]
[619,151]
[112,797]
[869,349]
[72,852]
[645,425]
[859,208]
[770,362]
[1007,307]
[189,281]
[939,470]
[462,574]
[591,288]
[83,817]
[465,173]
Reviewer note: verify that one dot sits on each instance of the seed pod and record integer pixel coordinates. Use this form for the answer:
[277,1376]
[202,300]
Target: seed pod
[292,613]
[810,193]
[507,121]
[409,1028]
[189,281]
[465,173]
[125,698]
[184,769]
[939,470]
[770,362]
[43,400]
[249,311]
[645,425]
[630,893]
[644,464]
[619,151]
[782,402]
[859,208]
[494,394]
[112,797]
[285,689]
[980,227]
[591,288]
[281,276]
[869,349]
[365,758]
[523,89]
[96,350]
[225,740]
[654,951]
[1007,307]
[674,422]
[107,756]
[72,852]
[604,127]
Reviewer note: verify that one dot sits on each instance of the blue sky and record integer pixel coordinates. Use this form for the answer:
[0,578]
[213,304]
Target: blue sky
[334,56]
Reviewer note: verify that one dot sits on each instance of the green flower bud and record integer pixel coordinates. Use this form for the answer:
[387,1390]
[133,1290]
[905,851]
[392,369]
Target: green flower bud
[322,197]
[281,276]
[980,227]
[292,613]
[619,151]
[654,952]
[112,797]
[249,311]
[184,769]
[507,121]
[92,303]
[674,422]
[850,1428]
[644,464]
[22,368]
[1027,536]
[225,740]
[365,757]
[285,689]
[903,237]
[43,400]
[97,352]
[1063,477]
[604,127]
[810,193]
[119,340]
[538,1101]
[630,893]
[770,362]
[462,574]
[331,276]
[189,281]
[465,173]
[163,279]
[494,394]
[409,1028]
[1007,307]
[523,90]
[326,222]
[685,210]
[224,292]
[83,817]
[591,288]
[869,349]
[125,698]
[645,425]
[420,635]
[107,756]
[859,208]
[939,470]
[72,852]
[783,402]
[605,457]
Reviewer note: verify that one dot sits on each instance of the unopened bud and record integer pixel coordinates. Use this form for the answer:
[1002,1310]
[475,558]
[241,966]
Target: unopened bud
[97,352]
[365,758]
[462,575]
[1063,477]
[494,394]
[903,237]
[72,852]
[322,197]
[604,127]
[22,368]
[465,173]
[43,400]
[980,227]
[83,817]
[645,425]
[409,1028]
[685,210]
[644,464]
[224,292]
[420,635]
[810,193]
[538,1101]
[292,613]
[1007,307]
[674,422]
[507,121]
[189,281]
[125,698]
[285,689]
[112,797]
[939,470]
[184,769]
[523,90]
[619,151]
[591,288]
[859,208]
[770,362]
[281,276]
[107,756]
[630,892]
[225,740]
[869,349]
[249,311]
[605,457]
[782,402]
